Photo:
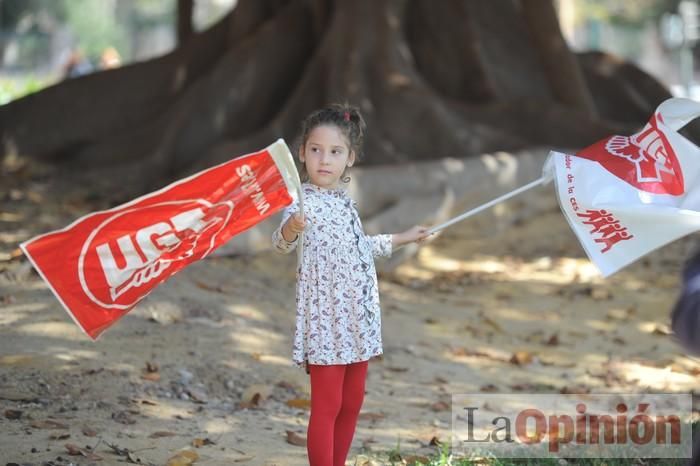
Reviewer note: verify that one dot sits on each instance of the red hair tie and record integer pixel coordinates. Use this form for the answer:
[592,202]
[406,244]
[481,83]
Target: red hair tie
[346,116]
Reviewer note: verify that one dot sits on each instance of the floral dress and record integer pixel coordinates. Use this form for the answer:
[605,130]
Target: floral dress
[338,317]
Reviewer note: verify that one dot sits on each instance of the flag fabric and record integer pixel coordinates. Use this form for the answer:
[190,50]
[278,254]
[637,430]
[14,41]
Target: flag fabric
[626,196]
[104,263]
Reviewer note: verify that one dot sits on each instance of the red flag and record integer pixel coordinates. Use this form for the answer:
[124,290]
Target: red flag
[104,263]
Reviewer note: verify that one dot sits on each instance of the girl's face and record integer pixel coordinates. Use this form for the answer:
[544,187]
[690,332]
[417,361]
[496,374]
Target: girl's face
[326,154]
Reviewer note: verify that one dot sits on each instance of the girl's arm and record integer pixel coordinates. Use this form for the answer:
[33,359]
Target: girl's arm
[383,245]
[414,234]
[284,241]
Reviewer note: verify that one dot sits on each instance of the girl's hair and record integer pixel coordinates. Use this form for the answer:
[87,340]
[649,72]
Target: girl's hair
[346,118]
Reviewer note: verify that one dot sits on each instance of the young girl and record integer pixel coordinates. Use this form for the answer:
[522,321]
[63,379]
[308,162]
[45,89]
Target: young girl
[338,322]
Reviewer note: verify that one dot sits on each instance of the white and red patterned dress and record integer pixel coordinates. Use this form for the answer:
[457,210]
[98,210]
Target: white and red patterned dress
[338,318]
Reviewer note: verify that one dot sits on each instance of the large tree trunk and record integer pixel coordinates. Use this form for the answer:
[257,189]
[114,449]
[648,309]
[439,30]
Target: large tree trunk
[433,79]
[185,28]
[560,66]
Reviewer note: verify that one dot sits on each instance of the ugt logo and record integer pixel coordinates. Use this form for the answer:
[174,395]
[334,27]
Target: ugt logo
[645,160]
[604,225]
[117,269]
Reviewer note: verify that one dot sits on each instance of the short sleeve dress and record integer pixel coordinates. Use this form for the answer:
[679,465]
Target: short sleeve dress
[338,318]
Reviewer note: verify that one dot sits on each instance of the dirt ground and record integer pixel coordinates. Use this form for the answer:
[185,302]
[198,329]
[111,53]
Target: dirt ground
[501,303]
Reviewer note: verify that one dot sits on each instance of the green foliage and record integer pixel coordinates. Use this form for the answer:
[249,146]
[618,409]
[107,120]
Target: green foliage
[633,13]
[94,26]
[444,457]
[11,90]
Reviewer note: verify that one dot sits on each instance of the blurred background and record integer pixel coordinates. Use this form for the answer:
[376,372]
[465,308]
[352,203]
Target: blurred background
[44,41]
[176,86]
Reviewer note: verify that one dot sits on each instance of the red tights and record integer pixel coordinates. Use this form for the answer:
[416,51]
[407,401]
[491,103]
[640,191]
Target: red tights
[337,392]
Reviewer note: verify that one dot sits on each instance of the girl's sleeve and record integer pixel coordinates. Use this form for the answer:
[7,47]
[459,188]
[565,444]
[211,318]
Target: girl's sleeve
[280,244]
[381,245]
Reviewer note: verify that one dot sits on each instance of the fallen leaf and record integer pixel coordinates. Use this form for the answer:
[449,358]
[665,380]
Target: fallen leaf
[201,442]
[59,436]
[295,439]
[48,424]
[397,369]
[253,403]
[151,367]
[367,416]
[183,458]
[7,299]
[440,406]
[207,287]
[254,395]
[123,417]
[661,330]
[150,372]
[88,432]
[413,459]
[489,388]
[151,376]
[521,358]
[553,340]
[600,294]
[300,403]
[197,396]
[522,387]
[146,402]
[242,459]
[575,390]
[162,433]
[285,384]
[619,314]
[658,363]
[461,351]
[13,414]
[73,450]
[132,458]
[502,296]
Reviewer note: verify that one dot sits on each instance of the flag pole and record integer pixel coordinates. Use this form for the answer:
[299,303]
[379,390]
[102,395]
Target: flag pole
[542,180]
[300,244]
[285,162]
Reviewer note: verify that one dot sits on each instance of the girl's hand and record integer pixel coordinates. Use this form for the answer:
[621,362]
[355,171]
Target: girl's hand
[293,226]
[417,234]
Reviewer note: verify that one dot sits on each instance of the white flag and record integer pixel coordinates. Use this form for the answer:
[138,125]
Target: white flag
[626,196]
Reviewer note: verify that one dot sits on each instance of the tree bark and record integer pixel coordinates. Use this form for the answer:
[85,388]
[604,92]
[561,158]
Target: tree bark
[433,80]
[559,64]
[185,28]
